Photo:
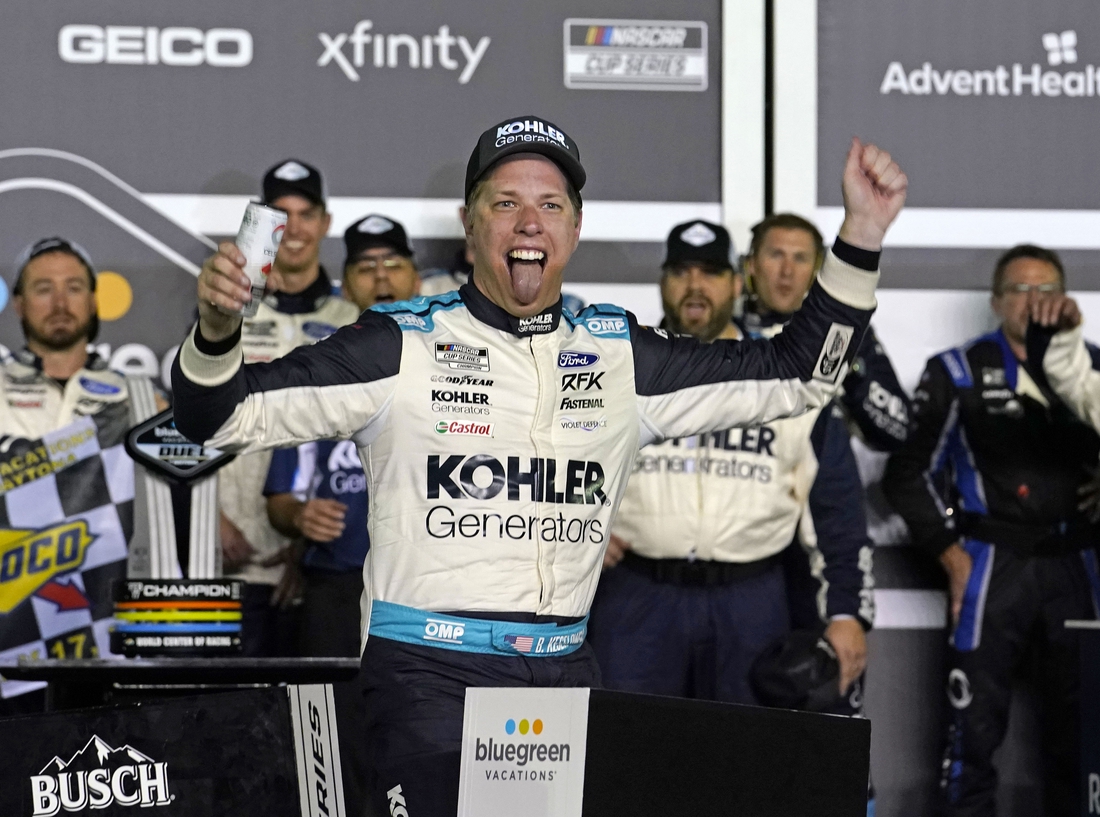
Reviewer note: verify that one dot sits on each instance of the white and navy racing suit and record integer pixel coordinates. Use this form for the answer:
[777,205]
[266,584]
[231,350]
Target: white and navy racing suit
[282,322]
[701,593]
[497,450]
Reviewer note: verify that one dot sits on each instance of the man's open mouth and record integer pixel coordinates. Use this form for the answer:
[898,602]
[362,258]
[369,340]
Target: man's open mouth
[525,267]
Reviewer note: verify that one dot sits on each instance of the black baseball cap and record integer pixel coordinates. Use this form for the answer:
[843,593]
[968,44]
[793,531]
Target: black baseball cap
[700,242]
[52,244]
[375,231]
[525,134]
[293,177]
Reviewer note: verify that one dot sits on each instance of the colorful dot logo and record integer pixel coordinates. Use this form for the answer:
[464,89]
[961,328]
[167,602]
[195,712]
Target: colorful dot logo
[114,296]
[524,726]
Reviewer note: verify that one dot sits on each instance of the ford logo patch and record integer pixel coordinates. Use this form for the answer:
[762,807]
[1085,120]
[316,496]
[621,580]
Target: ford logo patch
[576,360]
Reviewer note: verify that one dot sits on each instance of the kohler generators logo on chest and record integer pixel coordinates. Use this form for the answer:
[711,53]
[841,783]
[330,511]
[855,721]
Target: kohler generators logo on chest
[99,776]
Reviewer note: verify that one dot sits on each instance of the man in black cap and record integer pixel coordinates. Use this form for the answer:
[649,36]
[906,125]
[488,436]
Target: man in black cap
[298,310]
[379,266]
[56,394]
[498,432]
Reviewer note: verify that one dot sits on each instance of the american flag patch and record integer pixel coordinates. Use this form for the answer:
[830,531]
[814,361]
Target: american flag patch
[521,643]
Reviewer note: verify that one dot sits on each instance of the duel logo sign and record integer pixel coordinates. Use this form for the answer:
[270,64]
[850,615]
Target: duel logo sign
[97,777]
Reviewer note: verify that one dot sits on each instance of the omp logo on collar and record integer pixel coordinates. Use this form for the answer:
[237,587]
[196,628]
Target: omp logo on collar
[29,559]
[829,362]
[606,326]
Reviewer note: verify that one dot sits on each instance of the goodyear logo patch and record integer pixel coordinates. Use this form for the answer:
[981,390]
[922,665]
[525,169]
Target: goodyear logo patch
[30,559]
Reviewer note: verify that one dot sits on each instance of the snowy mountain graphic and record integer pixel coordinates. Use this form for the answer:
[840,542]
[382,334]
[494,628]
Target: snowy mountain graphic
[97,754]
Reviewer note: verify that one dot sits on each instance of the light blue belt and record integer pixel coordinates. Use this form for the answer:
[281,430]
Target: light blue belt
[412,626]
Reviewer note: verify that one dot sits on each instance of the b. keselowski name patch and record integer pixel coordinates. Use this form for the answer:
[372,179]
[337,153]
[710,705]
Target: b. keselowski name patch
[831,359]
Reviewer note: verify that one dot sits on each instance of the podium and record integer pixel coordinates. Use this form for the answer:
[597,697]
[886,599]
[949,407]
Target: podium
[1089,646]
[582,753]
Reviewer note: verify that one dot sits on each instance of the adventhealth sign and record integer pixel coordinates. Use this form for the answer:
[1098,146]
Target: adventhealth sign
[1019,80]
[523,752]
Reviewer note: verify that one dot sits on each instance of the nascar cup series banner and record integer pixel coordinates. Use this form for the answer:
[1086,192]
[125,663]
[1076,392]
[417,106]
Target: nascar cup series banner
[140,130]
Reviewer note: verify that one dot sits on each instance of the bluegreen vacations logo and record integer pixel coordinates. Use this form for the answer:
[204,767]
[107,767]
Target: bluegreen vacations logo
[1062,75]
[519,754]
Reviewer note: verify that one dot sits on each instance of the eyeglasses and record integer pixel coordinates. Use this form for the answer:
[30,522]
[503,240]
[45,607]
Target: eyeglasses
[1024,289]
[373,264]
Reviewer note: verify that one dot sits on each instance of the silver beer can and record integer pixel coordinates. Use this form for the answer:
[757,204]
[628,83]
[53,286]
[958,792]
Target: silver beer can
[258,240]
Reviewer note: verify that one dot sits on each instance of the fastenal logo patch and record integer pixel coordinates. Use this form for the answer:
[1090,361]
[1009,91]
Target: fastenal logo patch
[461,356]
[636,55]
[29,559]
[1060,49]
[97,777]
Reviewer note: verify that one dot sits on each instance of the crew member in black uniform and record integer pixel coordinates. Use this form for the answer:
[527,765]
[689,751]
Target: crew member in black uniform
[988,483]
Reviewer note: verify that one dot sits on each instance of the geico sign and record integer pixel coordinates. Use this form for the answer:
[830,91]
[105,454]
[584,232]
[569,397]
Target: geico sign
[140,45]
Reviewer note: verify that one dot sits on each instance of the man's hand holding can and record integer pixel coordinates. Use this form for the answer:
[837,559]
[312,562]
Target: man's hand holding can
[223,291]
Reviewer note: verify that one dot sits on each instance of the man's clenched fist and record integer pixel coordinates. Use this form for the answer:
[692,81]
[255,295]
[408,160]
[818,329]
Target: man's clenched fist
[874,192]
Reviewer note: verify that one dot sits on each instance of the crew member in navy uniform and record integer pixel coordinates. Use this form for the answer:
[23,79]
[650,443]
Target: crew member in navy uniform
[700,590]
[54,393]
[784,256]
[494,462]
[299,309]
[988,484]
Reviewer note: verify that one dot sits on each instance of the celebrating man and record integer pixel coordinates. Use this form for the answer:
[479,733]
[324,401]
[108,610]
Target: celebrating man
[498,432]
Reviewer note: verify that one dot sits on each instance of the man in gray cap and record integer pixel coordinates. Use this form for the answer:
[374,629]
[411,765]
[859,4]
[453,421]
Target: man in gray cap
[499,432]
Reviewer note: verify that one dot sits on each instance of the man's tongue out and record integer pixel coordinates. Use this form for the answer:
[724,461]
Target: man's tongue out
[525,267]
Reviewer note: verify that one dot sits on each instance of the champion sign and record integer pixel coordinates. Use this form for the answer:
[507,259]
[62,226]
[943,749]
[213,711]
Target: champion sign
[97,777]
[1019,80]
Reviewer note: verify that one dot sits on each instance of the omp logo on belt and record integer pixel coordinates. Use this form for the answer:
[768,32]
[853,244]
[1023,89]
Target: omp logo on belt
[30,559]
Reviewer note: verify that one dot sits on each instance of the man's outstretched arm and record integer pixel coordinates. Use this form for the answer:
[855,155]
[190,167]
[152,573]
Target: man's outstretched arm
[685,387]
[333,389]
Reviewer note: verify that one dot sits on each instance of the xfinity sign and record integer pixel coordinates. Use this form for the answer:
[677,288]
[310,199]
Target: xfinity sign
[1019,80]
[140,45]
[365,45]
